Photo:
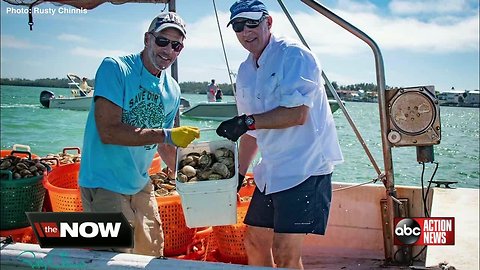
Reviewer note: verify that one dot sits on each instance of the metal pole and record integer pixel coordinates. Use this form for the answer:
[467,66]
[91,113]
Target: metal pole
[387,153]
[174,66]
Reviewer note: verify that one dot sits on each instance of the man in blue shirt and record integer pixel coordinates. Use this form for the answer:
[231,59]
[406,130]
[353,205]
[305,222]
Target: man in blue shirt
[131,118]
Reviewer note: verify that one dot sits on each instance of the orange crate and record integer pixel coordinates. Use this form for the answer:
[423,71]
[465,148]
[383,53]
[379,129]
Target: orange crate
[22,235]
[156,165]
[63,191]
[21,154]
[178,237]
[230,238]
[62,186]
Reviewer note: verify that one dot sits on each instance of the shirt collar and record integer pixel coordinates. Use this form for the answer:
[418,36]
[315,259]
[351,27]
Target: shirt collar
[264,55]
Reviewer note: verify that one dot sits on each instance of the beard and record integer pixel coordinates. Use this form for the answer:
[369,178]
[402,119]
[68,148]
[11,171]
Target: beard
[151,56]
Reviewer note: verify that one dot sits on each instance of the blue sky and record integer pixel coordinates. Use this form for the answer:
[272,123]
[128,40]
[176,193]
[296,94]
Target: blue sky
[423,42]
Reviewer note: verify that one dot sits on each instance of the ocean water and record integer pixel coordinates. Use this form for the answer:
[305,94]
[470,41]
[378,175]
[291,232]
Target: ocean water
[25,121]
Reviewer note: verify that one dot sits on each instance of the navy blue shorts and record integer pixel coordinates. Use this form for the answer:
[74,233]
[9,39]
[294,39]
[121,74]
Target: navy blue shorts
[301,209]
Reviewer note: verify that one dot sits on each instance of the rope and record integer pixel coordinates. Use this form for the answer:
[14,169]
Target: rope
[223,47]
[373,181]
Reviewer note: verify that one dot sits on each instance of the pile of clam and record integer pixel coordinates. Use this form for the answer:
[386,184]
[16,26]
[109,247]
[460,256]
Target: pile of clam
[203,166]
[22,167]
[164,183]
[63,158]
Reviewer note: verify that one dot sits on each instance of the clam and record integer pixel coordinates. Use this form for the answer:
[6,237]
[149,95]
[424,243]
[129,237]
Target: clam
[215,176]
[221,169]
[161,192]
[189,171]
[219,164]
[5,164]
[182,177]
[205,160]
[203,175]
[223,152]
[228,161]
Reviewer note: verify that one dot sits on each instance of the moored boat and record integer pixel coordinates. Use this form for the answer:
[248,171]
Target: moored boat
[225,110]
[80,99]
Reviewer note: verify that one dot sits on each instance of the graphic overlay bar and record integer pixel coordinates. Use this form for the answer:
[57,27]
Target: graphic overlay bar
[81,230]
[424,231]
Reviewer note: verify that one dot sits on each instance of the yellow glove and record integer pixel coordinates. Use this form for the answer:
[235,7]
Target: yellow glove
[181,136]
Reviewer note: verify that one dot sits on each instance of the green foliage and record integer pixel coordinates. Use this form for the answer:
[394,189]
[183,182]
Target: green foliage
[201,88]
[49,82]
[186,87]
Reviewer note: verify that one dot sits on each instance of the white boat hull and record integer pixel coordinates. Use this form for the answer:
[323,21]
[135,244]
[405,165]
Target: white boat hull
[77,103]
[224,110]
[212,110]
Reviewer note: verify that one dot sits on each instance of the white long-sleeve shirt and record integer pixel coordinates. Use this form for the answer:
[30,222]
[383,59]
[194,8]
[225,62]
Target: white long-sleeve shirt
[289,75]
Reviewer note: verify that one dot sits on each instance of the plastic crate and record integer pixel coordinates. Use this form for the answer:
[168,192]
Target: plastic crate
[18,196]
[176,233]
[156,165]
[210,202]
[22,235]
[62,187]
[229,239]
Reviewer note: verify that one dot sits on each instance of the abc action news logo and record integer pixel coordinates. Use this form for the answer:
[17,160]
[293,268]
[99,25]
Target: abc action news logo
[81,230]
[424,231]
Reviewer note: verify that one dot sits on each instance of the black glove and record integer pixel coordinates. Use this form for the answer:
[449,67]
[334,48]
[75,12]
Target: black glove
[233,128]
[240,182]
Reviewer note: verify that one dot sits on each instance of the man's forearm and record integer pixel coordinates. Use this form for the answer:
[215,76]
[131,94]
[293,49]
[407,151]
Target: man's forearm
[281,117]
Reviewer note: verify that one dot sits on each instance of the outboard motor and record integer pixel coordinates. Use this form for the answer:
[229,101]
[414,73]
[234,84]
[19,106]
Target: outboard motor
[185,104]
[45,97]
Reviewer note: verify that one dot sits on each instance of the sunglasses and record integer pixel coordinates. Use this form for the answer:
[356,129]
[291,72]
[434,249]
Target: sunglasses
[163,42]
[239,25]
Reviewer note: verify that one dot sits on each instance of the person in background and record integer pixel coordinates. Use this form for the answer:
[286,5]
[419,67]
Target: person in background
[131,118]
[85,87]
[284,114]
[211,91]
[219,95]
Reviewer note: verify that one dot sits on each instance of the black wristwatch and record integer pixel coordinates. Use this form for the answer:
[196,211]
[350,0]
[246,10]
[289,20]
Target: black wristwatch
[250,121]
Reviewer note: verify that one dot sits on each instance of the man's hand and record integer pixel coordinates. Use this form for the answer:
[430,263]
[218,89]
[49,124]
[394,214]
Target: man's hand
[233,128]
[181,136]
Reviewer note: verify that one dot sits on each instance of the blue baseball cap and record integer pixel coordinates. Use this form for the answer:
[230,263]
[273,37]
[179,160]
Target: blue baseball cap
[248,9]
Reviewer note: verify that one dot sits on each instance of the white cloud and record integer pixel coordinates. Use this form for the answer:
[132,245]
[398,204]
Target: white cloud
[72,38]
[9,41]
[439,35]
[428,6]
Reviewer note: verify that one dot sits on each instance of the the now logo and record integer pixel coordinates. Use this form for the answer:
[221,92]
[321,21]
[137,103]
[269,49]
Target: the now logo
[90,230]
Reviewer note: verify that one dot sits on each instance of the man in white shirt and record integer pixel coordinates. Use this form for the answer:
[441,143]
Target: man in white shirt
[286,116]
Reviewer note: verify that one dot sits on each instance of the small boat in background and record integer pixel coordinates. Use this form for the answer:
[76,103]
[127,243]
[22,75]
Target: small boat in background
[80,99]
[224,110]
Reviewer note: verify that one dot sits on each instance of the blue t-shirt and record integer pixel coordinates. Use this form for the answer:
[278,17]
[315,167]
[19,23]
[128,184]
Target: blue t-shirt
[147,102]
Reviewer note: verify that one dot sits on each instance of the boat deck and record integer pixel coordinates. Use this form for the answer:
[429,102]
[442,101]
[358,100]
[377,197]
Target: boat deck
[354,239]
[463,204]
